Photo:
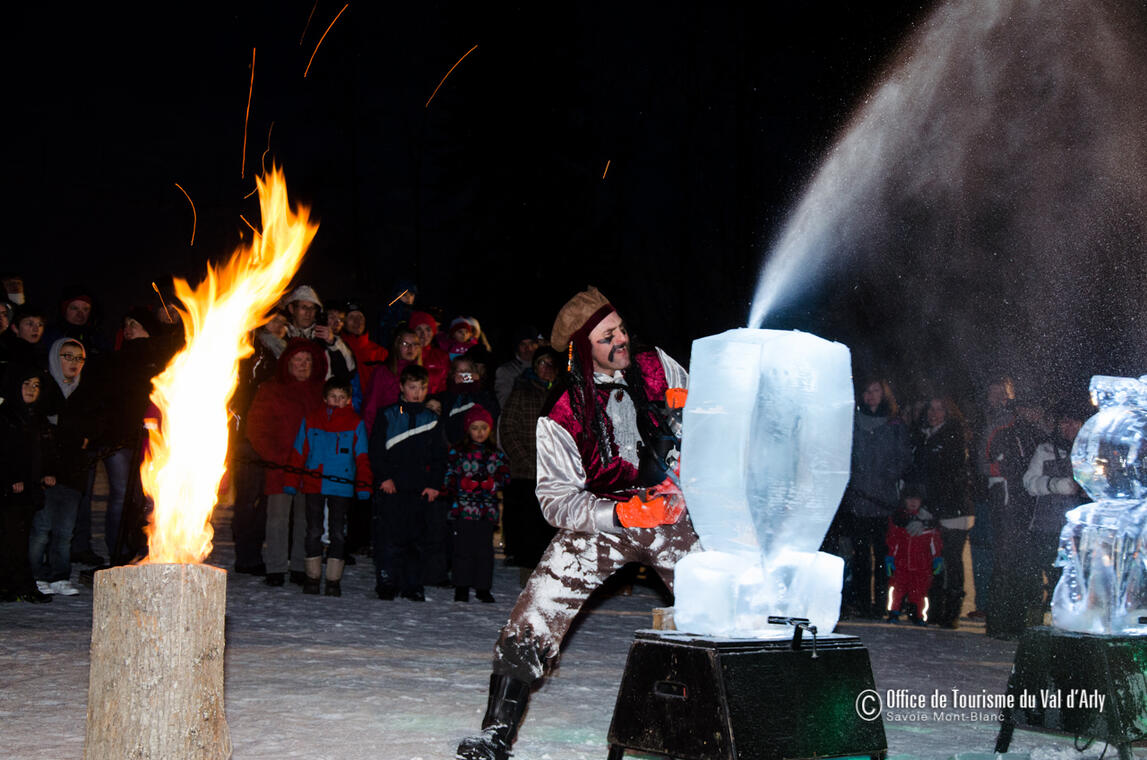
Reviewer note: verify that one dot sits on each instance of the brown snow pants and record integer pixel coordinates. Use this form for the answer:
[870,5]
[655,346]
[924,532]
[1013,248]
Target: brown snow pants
[573,566]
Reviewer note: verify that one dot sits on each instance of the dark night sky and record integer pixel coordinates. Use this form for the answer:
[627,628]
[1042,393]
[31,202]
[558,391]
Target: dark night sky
[713,116]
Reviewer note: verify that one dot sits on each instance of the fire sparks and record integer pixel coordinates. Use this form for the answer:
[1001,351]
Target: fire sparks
[188,449]
[606,169]
[448,73]
[250,89]
[336,18]
[308,24]
[194,216]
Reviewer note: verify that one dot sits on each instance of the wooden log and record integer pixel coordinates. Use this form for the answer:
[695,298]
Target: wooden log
[156,685]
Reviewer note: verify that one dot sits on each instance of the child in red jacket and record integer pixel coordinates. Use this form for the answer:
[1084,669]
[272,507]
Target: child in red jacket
[330,441]
[913,556]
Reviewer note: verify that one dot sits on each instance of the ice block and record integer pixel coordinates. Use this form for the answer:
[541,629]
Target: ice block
[1103,546]
[765,458]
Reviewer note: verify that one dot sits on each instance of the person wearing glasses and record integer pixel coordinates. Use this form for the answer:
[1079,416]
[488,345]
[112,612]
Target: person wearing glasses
[71,413]
[385,388]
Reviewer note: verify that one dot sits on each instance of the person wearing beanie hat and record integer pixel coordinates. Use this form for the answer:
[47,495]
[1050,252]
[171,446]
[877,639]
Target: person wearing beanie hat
[394,312]
[459,337]
[78,320]
[476,473]
[434,359]
[600,485]
[477,414]
[526,340]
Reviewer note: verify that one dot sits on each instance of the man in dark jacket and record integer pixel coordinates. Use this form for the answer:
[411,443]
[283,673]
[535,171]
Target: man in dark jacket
[1010,450]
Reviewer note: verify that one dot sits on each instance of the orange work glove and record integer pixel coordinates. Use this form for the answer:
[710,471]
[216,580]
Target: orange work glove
[662,505]
[675,398]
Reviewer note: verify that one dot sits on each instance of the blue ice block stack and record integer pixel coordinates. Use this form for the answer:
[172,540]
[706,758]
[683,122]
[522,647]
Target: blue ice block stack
[764,462]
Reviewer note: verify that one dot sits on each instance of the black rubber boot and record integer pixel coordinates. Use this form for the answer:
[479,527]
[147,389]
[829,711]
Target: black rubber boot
[504,711]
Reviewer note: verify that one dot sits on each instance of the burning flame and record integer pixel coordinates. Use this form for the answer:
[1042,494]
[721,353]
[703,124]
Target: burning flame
[188,447]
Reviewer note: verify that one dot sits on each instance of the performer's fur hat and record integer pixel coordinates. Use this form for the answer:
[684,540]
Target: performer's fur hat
[581,313]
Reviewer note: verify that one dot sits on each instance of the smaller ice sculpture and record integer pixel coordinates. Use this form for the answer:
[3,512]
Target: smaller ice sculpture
[764,461]
[1103,546]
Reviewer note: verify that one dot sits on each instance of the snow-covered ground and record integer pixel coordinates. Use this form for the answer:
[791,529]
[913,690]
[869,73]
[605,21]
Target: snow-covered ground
[354,677]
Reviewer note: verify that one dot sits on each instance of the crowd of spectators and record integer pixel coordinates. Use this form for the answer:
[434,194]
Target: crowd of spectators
[393,435]
[924,484]
[347,440]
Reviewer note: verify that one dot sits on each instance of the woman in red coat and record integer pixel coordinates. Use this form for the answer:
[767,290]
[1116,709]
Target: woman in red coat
[279,408]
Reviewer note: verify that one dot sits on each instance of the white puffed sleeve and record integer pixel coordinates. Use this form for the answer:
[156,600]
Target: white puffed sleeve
[565,502]
[674,372]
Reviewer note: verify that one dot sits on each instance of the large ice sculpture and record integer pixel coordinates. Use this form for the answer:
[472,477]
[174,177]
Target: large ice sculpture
[764,461]
[1103,546]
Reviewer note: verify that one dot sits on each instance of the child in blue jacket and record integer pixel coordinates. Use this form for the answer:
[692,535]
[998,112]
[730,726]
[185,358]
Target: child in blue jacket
[331,441]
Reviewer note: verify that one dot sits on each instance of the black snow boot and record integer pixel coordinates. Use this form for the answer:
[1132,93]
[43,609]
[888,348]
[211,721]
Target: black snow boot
[504,711]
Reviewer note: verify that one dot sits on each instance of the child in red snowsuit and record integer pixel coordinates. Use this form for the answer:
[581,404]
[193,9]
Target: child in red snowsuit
[913,556]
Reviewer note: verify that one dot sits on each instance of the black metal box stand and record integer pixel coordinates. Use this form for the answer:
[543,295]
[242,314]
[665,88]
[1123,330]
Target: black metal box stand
[1061,676]
[709,698]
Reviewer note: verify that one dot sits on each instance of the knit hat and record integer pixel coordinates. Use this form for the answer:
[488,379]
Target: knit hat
[422,318]
[75,296]
[578,313]
[525,332]
[303,293]
[477,413]
[470,322]
[146,318]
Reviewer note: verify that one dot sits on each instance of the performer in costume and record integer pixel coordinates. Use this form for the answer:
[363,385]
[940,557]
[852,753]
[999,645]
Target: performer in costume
[604,451]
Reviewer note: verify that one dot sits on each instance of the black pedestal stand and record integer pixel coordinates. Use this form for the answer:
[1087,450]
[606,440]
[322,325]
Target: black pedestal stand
[708,698]
[1061,674]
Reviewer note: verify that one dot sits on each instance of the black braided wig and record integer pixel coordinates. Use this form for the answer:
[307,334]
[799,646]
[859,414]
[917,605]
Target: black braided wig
[583,399]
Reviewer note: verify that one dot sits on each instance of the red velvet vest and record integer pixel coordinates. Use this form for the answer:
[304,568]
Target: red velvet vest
[618,478]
